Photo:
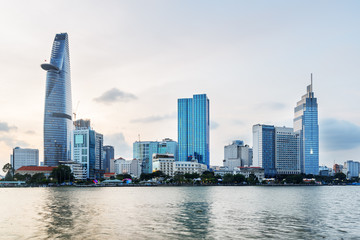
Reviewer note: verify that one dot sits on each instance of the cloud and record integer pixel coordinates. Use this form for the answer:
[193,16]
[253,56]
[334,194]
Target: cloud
[115,95]
[337,135]
[122,148]
[239,122]
[213,125]
[30,132]
[271,106]
[152,119]
[13,142]
[4,127]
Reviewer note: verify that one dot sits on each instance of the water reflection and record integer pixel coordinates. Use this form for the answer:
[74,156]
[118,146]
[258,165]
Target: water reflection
[66,215]
[194,212]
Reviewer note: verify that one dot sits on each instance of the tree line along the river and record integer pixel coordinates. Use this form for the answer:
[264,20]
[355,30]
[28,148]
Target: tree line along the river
[63,174]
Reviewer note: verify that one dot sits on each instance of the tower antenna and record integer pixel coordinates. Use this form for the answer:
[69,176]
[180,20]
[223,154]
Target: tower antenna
[311,82]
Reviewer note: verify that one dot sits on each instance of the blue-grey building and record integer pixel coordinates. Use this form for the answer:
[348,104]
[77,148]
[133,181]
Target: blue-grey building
[264,148]
[193,129]
[109,154]
[58,105]
[144,150]
[87,150]
[306,125]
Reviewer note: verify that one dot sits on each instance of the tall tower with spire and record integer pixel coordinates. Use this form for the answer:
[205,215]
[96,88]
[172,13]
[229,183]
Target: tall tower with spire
[58,105]
[306,125]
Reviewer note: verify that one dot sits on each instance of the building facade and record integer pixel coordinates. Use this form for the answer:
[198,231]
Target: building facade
[132,167]
[193,129]
[144,150]
[287,151]
[87,150]
[164,163]
[306,125]
[237,155]
[24,157]
[351,169]
[58,105]
[264,148]
[190,167]
[109,154]
[34,170]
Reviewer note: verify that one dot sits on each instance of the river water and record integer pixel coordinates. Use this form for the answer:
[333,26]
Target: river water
[217,212]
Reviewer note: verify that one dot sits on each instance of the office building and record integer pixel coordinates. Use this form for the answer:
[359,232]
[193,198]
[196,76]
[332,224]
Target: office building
[131,167]
[144,150]
[108,155]
[237,155]
[87,151]
[264,148]
[164,163]
[287,151]
[193,129]
[306,125]
[351,169]
[58,106]
[24,157]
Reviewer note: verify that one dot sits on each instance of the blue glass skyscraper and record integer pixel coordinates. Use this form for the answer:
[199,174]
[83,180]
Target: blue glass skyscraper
[306,125]
[264,148]
[193,129]
[58,106]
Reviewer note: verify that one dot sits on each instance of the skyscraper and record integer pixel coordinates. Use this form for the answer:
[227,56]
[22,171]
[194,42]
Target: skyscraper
[193,129]
[87,150]
[286,151]
[264,148]
[108,155]
[306,125]
[58,106]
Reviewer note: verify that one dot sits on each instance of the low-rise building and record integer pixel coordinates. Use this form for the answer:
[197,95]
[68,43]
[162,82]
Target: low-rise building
[35,169]
[164,163]
[246,171]
[191,167]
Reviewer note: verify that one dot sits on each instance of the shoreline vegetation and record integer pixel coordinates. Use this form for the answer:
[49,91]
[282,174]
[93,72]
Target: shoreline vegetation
[62,176]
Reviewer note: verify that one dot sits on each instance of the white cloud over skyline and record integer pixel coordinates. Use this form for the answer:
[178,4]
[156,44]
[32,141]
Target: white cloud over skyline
[252,58]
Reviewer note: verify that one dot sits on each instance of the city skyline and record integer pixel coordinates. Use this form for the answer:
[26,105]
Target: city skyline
[252,62]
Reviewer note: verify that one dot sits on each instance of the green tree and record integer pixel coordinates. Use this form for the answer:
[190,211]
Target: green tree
[62,174]
[239,178]
[8,168]
[228,178]
[295,179]
[252,179]
[341,176]
[38,178]
[179,178]
[19,177]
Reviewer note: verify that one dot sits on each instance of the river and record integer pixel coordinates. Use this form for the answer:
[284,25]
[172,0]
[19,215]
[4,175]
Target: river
[212,212]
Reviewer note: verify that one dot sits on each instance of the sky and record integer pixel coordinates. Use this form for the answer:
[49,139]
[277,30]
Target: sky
[131,61]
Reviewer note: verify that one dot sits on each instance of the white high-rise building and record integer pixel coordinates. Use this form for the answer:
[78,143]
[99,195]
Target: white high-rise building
[24,157]
[132,167]
[287,151]
[351,169]
[237,155]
